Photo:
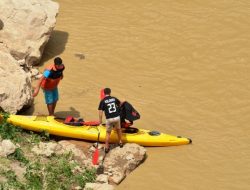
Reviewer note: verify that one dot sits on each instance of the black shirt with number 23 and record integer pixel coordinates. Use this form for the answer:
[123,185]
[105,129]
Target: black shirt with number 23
[111,106]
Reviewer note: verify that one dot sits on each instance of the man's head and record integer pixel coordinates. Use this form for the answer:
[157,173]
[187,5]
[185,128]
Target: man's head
[58,63]
[107,91]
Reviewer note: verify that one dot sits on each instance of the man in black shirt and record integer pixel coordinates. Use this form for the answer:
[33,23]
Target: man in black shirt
[111,107]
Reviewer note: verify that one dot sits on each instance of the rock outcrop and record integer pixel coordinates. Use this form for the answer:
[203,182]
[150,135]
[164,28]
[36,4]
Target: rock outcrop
[7,148]
[117,164]
[15,88]
[25,28]
[121,161]
[27,25]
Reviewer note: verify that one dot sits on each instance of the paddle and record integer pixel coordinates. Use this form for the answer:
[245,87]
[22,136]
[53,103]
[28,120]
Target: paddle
[102,95]
[100,169]
[96,153]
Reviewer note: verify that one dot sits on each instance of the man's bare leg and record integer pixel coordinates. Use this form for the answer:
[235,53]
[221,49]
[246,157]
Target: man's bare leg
[119,133]
[50,109]
[107,140]
[54,107]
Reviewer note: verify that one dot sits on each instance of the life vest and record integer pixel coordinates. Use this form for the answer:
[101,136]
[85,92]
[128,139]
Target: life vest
[128,112]
[54,78]
[70,120]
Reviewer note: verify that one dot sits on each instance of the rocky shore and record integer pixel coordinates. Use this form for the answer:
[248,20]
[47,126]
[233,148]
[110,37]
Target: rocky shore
[39,161]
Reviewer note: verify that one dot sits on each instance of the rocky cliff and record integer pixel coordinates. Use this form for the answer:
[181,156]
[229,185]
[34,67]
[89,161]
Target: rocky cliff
[25,28]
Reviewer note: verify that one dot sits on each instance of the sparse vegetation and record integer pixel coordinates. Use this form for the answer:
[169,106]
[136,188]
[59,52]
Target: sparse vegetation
[19,135]
[56,172]
[36,138]
[19,156]
[8,131]
[12,182]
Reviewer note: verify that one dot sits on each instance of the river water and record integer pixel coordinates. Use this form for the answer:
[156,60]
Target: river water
[184,65]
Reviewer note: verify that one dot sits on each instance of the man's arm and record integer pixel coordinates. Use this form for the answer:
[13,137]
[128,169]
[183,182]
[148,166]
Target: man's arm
[36,91]
[100,116]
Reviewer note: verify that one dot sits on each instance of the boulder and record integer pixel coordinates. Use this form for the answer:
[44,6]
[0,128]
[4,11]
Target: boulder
[7,148]
[25,28]
[15,89]
[119,162]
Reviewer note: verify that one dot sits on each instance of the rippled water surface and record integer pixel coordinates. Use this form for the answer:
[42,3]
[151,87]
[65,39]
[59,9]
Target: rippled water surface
[184,65]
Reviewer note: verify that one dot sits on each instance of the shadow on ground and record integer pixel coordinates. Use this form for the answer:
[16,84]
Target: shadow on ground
[71,112]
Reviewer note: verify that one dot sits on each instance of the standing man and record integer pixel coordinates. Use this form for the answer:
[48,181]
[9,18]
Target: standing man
[111,107]
[49,82]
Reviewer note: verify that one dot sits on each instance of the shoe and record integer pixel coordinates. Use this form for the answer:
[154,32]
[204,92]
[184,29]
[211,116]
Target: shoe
[106,150]
[120,145]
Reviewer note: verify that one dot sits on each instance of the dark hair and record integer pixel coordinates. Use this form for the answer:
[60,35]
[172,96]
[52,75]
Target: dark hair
[58,61]
[107,91]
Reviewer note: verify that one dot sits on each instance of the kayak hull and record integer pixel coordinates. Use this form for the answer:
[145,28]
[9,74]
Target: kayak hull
[52,126]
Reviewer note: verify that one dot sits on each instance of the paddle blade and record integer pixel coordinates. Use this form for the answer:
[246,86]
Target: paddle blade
[95,157]
[102,95]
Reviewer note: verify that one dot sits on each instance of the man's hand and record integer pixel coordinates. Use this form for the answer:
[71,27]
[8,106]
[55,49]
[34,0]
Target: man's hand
[35,92]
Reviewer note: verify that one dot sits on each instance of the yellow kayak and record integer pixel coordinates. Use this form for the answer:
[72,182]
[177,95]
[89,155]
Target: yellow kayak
[130,135]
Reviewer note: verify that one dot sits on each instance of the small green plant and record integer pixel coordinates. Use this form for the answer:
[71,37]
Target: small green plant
[34,138]
[37,138]
[18,155]
[17,134]
[9,131]
[12,182]
[45,136]
[34,176]
[57,173]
